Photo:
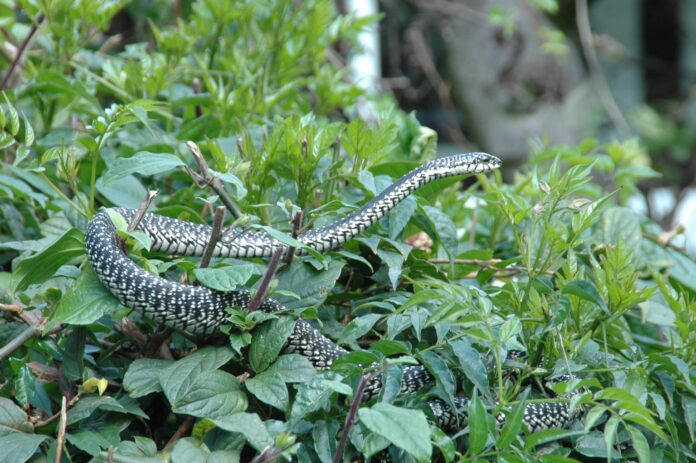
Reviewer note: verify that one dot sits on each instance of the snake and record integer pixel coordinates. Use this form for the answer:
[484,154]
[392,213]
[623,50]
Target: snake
[201,310]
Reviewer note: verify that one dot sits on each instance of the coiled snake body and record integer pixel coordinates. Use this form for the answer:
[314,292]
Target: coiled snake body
[197,309]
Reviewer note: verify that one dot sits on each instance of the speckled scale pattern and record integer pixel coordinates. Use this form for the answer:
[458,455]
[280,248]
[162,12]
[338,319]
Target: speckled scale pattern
[201,310]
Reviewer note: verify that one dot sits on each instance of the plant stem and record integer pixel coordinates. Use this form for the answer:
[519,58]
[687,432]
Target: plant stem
[351,417]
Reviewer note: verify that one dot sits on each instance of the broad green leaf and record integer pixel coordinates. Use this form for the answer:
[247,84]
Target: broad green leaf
[446,230]
[640,444]
[142,163]
[400,215]
[225,278]
[40,267]
[610,429]
[478,426]
[267,341]
[358,327]
[249,425]
[405,428]
[269,388]
[87,405]
[19,447]
[293,368]
[12,418]
[212,394]
[471,364]
[86,301]
[439,369]
[143,376]
[178,378]
[585,290]
[512,427]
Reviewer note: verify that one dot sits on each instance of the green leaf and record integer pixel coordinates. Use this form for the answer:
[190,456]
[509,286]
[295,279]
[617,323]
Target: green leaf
[358,327]
[471,364]
[249,425]
[405,428]
[42,266]
[142,163]
[293,368]
[178,378]
[478,427]
[269,388]
[445,228]
[585,290]
[610,429]
[12,418]
[513,424]
[19,447]
[400,215]
[211,394]
[86,301]
[267,341]
[640,444]
[289,241]
[225,278]
[143,376]
[88,405]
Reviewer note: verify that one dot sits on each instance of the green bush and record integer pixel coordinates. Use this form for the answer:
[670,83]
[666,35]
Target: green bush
[550,263]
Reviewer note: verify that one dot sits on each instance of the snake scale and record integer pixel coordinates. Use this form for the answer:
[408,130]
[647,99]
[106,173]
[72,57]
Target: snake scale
[201,310]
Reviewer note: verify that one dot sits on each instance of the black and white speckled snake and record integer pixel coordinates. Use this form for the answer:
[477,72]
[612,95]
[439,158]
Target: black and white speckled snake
[197,309]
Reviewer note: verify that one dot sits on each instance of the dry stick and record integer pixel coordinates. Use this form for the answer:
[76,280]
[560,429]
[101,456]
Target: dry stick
[266,282]
[61,430]
[351,417]
[52,418]
[296,225]
[142,210]
[205,178]
[582,20]
[181,431]
[215,235]
[22,48]
[28,333]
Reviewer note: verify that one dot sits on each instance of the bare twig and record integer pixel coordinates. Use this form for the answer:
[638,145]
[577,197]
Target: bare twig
[351,418]
[181,431]
[582,20]
[142,210]
[22,49]
[296,225]
[61,430]
[52,418]
[157,344]
[206,178]
[28,333]
[15,308]
[215,235]
[260,295]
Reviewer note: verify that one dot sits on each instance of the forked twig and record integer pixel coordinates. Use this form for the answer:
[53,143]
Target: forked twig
[206,178]
[260,295]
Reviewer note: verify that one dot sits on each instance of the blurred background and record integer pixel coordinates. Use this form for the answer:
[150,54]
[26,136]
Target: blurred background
[512,76]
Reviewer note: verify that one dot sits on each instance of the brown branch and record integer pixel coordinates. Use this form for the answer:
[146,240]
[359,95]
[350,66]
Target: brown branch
[206,178]
[28,333]
[52,418]
[22,48]
[260,295]
[61,430]
[142,210]
[215,235]
[351,418]
[582,20]
[181,431]
[296,225]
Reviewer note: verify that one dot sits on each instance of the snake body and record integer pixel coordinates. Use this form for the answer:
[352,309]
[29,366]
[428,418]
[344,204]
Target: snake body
[201,310]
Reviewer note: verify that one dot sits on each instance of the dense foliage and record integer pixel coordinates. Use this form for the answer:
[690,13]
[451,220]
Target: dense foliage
[550,263]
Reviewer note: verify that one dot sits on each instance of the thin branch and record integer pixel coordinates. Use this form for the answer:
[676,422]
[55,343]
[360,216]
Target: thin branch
[268,455]
[260,295]
[206,178]
[28,333]
[22,48]
[142,210]
[61,430]
[215,235]
[52,418]
[181,431]
[582,19]
[351,418]
[296,225]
